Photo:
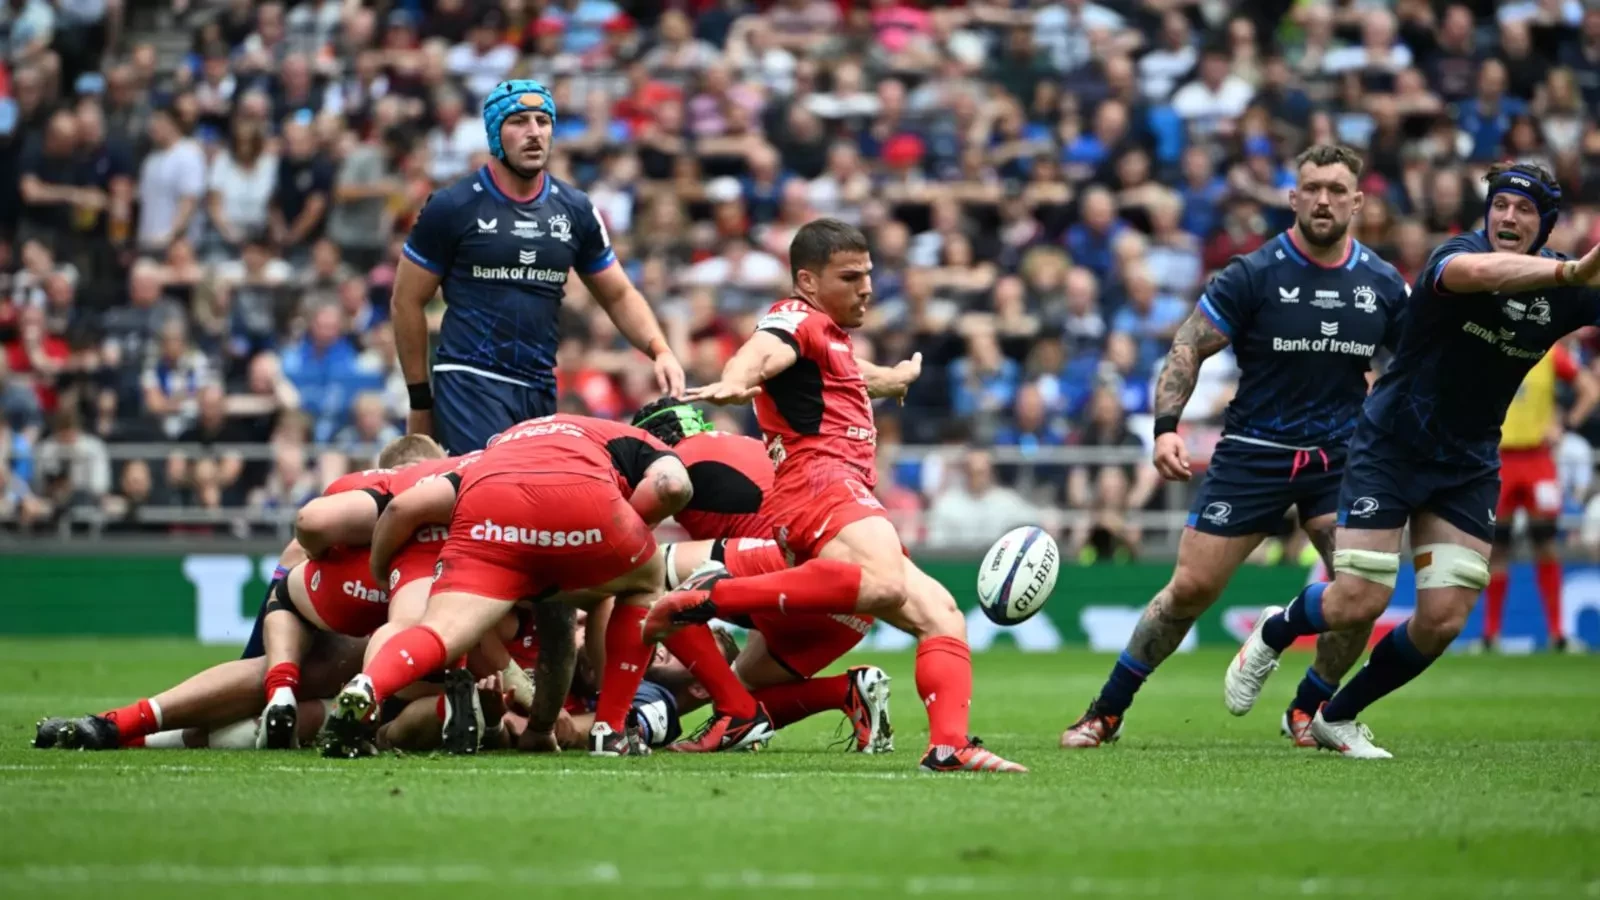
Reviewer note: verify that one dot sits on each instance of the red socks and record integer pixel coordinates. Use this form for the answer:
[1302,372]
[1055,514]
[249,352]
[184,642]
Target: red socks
[819,586]
[283,675]
[1548,574]
[135,721]
[404,659]
[698,650]
[627,656]
[1494,604]
[944,682]
[789,703]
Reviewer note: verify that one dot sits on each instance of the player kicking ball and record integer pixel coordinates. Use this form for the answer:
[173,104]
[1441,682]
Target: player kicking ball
[558,504]
[1304,314]
[1485,309]
[814,407]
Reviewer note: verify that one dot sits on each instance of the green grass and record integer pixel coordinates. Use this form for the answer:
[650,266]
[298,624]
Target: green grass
[1495,792]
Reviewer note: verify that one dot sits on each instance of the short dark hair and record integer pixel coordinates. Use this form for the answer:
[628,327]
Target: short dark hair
[1531,169]
[408,449]
[817,241]
[1329,155]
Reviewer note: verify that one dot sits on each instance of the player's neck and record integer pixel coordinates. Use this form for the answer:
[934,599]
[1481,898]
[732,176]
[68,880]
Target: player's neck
[522,190]
[1329,257]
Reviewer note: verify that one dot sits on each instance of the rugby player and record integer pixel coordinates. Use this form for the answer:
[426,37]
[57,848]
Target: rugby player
[334,589]
[1304,313]
[1528,482]
[1485,309]
[557,504]
[732,477]
[500,243]
[814,406]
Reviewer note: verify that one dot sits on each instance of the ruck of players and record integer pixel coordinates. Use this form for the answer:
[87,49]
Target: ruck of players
[497,583]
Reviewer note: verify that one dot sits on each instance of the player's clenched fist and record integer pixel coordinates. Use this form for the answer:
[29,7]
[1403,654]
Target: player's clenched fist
[723,393]
[1172,458]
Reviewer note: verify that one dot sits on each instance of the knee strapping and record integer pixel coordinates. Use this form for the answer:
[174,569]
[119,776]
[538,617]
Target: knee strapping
[280,600]
[669,555]
[1449,565]
[1369,565]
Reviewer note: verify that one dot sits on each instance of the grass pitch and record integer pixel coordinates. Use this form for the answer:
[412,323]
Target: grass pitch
[1495,793]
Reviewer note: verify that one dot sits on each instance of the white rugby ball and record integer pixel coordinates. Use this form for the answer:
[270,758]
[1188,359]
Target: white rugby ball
[1018,574]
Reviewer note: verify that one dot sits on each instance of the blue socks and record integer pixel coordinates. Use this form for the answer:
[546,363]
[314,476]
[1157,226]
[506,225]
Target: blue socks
[1313,692]
[1301,617]
[1394,661]
[1127,676]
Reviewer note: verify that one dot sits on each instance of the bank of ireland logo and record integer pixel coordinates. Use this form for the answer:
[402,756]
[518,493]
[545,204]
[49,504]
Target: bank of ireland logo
[1217,513]
[560,227]
[1363,507]
[1366,299]
[316,579]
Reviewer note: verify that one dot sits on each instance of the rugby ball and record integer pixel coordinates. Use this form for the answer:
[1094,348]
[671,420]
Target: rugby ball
[1017,575]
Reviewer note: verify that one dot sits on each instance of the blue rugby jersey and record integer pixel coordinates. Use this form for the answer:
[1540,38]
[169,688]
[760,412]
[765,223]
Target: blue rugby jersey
[1304,336]
[504,266]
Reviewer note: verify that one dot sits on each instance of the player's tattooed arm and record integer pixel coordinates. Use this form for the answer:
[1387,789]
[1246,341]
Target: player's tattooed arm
[1196,339]
[1159,632]
[558,656]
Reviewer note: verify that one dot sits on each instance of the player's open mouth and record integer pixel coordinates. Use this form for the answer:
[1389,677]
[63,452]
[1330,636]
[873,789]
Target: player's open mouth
[1508,237]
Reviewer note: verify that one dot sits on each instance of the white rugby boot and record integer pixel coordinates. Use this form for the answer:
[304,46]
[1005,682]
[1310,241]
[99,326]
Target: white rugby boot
[1249,668]
[1351,739]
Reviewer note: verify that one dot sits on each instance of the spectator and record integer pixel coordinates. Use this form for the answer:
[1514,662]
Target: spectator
[28,27]
[1032,432]
[1149,318]
[983,383]
[212,426]
[243,181]
[55,188]
[172,185]
[72,469]
[174,378]
[484,59]
[1109,490]
[136,491]
[368,431]
[17,499]
[131,330]
[455,141]
[20,410]
[322,367]
[1089,242]
[38,356]
[1161,69]
[1210,103]
[973,513]
[300,195]
[362,216]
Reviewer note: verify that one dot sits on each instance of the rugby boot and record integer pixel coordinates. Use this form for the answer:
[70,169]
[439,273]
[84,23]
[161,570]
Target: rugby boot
[89,733]
[605,742]
[350,731]
[867,708]
[463,713]
[1093,729]
[1249,668]
[725,732]
[1351,739]
[279,721]
[971,758]
[1296,726]
[690,604]
[47,733]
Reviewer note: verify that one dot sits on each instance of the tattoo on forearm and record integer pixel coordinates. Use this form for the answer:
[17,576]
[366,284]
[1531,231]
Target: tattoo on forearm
[558,655]
[1159,631]
[1196,339]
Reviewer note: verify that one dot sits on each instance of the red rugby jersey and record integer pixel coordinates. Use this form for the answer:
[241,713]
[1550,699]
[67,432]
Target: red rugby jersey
[732,476]
[574,445]
[816,411]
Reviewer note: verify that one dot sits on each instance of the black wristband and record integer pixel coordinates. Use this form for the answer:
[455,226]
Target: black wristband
[421,396]
[1166,425]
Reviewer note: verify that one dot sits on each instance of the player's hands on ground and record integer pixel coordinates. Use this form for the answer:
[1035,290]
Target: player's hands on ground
[420,421]
[722,393]
[538,742]
[669,374]
[1172,458]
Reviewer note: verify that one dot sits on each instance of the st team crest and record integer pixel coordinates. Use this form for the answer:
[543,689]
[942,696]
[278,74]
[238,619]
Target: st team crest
[316,579]
[560,227]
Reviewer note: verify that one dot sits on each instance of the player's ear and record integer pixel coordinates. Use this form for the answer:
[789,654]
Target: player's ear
[1356,201]
[805,281]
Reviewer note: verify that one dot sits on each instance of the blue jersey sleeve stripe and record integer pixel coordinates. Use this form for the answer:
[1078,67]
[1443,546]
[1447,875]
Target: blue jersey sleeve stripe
[1438,273]
[600,264]
[1216,318]
[423,261]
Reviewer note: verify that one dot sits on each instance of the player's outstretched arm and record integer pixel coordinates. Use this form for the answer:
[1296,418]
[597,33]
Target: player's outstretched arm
[345,519]
[552,674]
[429,502]
[414,287]
[633,316]
[1510,273]
[890,381]
[1197,338]
[763,356]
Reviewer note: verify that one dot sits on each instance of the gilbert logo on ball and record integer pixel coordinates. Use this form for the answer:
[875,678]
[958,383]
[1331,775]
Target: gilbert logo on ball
[1018,575]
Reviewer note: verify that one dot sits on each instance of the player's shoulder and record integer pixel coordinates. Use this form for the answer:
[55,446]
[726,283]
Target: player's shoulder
[790,315]
[568,196]
[1370,266]
[720,446]
[463,192]
[355,481]
[1466,242]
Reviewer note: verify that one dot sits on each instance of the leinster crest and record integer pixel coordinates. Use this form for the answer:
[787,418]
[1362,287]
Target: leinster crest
[560,227]
[1366,299]
[1539,311]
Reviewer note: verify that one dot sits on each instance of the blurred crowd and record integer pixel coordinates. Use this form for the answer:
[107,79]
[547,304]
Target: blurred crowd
[201,207]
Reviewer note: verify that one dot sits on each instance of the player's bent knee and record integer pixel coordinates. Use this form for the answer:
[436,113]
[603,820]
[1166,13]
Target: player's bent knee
[1435,624]
[1374,566]
[1450,566]
[1193,590]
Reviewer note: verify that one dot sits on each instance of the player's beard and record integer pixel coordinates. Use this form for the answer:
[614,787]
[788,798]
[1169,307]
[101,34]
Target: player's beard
[1336,232]
[525,173]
